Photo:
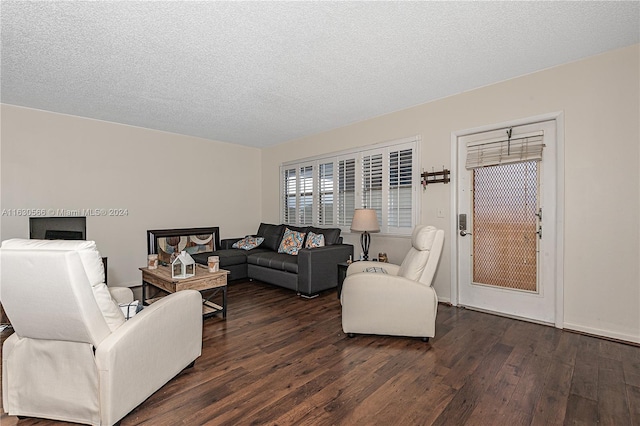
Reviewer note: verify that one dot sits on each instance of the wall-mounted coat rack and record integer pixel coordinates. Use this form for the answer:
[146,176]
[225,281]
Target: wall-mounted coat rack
[435,177]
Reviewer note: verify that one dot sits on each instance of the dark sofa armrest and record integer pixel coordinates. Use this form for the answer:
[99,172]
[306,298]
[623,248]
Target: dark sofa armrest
[317,267]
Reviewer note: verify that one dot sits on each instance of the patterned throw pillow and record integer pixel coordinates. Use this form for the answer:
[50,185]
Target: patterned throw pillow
[248,243]
[291,242]
[376,269]
[314,240]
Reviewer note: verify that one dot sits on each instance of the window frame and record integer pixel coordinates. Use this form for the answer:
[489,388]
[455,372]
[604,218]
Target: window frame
[356,156]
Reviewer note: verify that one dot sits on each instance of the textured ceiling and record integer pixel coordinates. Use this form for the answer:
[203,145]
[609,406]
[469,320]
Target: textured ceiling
[261,73]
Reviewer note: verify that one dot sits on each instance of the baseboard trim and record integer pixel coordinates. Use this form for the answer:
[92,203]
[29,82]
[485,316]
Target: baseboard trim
[603,334]
[573,328]
[515,317]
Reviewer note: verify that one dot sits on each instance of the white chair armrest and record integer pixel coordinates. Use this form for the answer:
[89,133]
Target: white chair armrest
[149,350]
[373,282]
[361,266]
[121,294]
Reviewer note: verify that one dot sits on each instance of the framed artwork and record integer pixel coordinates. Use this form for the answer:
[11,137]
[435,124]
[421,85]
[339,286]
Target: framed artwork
[165,242]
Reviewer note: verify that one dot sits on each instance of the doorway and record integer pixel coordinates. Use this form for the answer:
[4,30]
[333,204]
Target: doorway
[505,240]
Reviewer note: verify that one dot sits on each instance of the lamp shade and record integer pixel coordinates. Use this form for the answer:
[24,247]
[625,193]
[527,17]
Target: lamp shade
[365,220]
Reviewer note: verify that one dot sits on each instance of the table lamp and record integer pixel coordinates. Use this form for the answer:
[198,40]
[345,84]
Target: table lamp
[365,221]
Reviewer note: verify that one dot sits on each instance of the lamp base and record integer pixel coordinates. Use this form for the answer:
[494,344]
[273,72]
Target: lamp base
[365,240]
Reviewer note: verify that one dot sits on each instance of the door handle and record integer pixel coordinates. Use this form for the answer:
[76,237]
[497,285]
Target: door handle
[462,225]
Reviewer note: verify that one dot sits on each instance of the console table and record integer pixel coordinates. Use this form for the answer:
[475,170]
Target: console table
[203,281]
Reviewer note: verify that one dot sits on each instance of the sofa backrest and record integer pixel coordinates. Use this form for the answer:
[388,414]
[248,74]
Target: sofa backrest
[272,234]
[331,235]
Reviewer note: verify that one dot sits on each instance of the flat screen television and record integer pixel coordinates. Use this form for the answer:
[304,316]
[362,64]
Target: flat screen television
[58,228]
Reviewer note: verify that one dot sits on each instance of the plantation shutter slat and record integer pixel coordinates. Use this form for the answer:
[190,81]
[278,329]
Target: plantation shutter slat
[526,147]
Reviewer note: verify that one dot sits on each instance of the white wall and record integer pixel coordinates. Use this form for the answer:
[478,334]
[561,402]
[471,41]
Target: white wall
[108,165]
[163,180]
[599,97]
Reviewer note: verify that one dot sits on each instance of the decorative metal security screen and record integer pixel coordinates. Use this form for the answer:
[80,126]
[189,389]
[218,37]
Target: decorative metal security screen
[504,226]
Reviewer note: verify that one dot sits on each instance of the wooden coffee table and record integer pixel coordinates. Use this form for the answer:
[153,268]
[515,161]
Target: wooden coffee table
[203,281]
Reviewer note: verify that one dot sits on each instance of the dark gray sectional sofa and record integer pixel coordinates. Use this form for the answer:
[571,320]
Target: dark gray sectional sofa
[308,273]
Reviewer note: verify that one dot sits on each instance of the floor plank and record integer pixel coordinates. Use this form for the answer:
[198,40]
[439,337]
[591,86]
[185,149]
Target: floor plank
[612,408]
[280,360]
[633,396]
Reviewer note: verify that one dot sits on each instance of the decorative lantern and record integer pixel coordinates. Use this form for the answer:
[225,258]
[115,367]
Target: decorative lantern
[183,266]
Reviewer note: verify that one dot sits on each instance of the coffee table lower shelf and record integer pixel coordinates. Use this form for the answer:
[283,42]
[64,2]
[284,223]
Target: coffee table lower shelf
[209,308]
[210,285]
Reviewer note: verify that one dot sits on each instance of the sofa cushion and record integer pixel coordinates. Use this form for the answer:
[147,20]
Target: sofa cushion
[314,240]
[292,241]
[227,257]
[331,235]
[272,235]
[279,261]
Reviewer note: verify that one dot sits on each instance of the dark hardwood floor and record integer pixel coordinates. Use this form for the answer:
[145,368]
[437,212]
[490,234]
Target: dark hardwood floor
[281,360]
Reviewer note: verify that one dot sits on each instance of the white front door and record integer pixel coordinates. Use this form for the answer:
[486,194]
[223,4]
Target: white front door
[506,228]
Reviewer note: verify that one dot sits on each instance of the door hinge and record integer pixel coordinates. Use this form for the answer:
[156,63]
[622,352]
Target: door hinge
[539,231]
[539,214]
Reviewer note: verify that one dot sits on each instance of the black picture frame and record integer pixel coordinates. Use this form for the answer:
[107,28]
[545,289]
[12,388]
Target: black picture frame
[186,237]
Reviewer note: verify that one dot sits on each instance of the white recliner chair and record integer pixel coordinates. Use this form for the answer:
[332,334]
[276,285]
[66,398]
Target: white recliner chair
[73,356]
[400,300]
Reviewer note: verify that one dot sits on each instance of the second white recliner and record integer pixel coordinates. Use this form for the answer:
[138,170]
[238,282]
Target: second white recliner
[399,301]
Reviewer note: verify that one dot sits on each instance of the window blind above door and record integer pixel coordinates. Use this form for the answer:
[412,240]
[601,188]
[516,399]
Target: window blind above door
[493,152]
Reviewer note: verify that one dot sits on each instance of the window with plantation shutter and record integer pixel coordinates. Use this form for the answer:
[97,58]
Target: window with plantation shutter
[305,195]
[346,191]
[325,194]
[400,188]
[298,195]
[290,195]
[325,191]
[372,183]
